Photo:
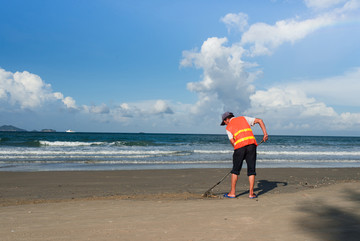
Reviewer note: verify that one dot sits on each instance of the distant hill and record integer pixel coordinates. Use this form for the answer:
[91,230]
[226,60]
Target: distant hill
[10,128]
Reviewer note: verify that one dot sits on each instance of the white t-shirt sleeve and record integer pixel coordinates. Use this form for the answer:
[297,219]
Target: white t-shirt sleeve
[229,134]
[250,120]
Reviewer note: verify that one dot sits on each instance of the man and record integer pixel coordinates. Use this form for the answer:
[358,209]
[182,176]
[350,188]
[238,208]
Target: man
[243,140]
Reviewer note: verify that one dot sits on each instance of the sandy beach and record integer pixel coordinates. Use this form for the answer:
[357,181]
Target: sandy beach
[293,204]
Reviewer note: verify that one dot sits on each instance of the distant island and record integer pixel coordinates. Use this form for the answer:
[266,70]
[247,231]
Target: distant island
[10,128]
[16,129]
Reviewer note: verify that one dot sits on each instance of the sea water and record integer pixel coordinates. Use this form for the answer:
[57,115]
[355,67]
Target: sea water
[38,151]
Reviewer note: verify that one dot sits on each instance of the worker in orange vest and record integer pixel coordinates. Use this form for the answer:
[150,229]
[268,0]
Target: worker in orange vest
[244,143]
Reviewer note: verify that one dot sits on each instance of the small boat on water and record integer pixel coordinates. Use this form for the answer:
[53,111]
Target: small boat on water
[69,131]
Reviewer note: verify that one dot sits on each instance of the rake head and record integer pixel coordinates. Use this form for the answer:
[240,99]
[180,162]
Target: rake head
[208,193]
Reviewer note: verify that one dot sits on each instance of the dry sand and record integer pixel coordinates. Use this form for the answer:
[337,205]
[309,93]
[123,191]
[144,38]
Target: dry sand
[293,204]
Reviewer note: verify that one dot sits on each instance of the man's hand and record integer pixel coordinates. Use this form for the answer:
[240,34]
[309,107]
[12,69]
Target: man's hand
[265,138]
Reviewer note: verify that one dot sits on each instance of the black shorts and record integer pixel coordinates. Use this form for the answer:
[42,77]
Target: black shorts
[247,153]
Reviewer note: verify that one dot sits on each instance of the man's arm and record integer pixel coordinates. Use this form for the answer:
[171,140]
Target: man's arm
[263,128]
[232,142]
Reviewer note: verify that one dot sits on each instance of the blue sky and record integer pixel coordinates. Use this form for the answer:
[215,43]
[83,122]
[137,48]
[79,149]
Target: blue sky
[176,66]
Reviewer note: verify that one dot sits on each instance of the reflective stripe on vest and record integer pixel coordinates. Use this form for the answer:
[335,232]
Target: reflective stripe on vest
[244,139]
[243,130]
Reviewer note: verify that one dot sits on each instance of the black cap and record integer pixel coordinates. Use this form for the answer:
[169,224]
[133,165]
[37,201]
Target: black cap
[226,115]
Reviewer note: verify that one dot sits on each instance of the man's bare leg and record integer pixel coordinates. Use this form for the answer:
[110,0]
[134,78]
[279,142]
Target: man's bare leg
[234,179]
[251,184]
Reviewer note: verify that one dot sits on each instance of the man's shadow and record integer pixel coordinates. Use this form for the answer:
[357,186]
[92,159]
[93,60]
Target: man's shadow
[264,186]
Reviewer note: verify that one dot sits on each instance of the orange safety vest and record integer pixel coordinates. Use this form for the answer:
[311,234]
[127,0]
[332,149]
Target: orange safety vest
[241,131]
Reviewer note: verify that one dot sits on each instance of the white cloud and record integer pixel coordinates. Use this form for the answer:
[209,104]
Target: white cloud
[96,109]
[69,102]
[161,107]
[321,4]
[290,107]
[151,109]
[349,119]
[28,91]
[282,99]
[125,106]
[338,90]
[24,90]
[235,21]
[263,38]
[225,84]
[58,95]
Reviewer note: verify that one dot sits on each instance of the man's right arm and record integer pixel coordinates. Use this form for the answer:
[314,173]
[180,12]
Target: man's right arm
[263,128]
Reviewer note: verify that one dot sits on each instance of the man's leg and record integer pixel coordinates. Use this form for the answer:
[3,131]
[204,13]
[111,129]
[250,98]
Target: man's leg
[251,184]
[251,163]
[234,179]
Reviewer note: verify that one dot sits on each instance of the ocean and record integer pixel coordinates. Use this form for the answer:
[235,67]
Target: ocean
[58,151]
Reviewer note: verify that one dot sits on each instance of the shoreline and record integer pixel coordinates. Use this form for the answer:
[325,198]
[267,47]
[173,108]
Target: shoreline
[18,188]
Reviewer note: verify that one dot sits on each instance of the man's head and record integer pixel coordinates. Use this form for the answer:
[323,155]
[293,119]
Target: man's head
[225,117]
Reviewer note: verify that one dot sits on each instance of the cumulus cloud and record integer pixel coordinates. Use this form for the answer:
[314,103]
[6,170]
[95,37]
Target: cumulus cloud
[28,91]
[225,82]
[263,38]
[150,109]
[69,102]
[283,99]
[290,107]
[239,21]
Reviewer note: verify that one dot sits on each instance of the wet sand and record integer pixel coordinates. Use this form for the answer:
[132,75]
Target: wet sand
[293,204]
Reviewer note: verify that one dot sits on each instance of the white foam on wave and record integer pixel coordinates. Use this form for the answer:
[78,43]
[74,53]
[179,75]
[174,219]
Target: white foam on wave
[213,151]
[69,143]
[308,153]
[287,153]
[306,161]
[80,143]
[127,162]
[137,153]
[85,154]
